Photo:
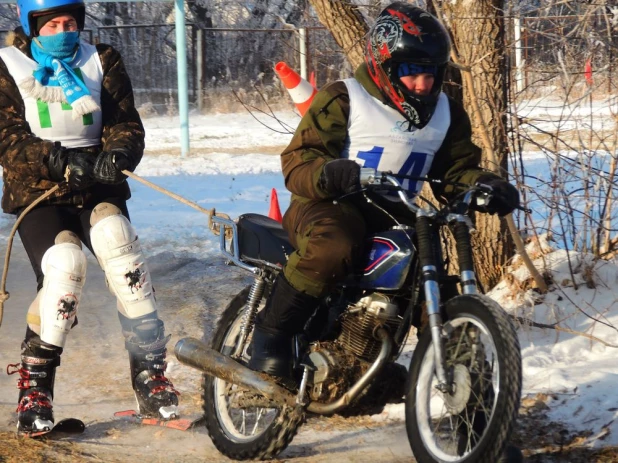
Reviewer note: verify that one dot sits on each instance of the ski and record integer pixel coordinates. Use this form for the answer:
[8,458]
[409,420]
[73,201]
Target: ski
[66,426]
[181,424]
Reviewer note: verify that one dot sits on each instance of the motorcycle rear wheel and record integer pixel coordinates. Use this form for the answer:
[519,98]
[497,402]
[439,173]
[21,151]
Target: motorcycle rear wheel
[483,360]
[242,431]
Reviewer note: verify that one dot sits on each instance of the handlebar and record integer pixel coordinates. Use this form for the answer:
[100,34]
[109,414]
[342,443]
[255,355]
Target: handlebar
[479,192]
[370,176]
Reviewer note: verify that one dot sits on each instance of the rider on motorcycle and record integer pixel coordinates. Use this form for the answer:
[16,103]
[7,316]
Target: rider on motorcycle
[392,116]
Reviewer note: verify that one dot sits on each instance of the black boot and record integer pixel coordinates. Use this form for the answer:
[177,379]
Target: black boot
[285,315]
[155,393]
[36,387]
[271,353]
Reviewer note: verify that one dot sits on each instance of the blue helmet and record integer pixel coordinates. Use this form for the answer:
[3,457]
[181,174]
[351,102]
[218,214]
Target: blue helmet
[29,10]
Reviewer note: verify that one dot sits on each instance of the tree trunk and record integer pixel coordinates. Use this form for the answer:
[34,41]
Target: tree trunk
[477,30]
[346,24]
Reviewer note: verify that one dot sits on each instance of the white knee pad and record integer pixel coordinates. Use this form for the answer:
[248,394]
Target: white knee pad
[119,253]
[64,267]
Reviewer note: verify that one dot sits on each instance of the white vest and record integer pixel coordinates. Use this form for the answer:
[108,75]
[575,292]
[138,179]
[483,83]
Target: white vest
[53,120]
[377,136]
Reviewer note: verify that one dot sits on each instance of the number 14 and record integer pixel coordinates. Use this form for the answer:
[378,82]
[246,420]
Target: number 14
[413,166]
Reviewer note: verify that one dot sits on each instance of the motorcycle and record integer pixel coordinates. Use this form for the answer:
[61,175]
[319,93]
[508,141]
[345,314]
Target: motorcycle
[464,381]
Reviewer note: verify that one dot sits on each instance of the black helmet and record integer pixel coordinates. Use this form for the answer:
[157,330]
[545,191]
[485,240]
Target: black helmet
[407,35]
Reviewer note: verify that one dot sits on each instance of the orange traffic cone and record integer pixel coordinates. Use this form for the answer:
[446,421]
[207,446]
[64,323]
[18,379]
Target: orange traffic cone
[301,91]
[274,212]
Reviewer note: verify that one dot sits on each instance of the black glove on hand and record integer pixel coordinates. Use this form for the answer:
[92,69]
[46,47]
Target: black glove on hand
[340,177]
[505,196]
[73,166]
[57,163]
[109,166]
[79,171]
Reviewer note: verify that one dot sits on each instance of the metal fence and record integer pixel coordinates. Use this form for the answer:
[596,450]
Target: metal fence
[562,45]
[149,54]
[225,66]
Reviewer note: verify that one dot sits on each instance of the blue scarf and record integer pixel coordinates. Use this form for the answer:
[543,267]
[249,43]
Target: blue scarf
[55,54]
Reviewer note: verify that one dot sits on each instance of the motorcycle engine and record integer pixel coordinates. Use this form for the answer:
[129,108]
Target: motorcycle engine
[338,364]
[361,321]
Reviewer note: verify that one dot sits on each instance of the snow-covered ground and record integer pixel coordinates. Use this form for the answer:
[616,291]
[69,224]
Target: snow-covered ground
[193,286]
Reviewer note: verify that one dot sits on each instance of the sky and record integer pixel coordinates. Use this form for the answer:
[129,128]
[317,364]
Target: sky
[233,166]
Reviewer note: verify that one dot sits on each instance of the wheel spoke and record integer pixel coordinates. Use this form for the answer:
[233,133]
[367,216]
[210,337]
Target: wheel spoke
[444,415]
[257,420]
[241,414]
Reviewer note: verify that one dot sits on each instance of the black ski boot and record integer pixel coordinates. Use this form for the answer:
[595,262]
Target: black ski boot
[155,394]
[285,315]
[36,388]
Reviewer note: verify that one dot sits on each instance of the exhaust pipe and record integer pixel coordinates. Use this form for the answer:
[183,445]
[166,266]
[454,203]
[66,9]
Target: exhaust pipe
[196,354]
[347,398]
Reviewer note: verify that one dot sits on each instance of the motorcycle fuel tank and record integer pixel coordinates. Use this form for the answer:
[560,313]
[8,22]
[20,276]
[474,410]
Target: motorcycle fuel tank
[387,260]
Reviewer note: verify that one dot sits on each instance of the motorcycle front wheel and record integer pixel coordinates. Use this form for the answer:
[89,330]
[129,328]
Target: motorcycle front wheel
[242,424]
[473,421]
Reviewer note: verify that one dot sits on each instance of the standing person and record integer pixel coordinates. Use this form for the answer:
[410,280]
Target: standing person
[392,116]
[67,117]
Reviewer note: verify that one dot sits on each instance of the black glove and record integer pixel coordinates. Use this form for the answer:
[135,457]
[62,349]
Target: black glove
[340,177]
[57,163]
[505,197]
[109,166]
[73,166]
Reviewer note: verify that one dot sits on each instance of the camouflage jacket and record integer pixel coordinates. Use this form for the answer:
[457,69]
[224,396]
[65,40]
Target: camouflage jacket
[24,157]
[321,135]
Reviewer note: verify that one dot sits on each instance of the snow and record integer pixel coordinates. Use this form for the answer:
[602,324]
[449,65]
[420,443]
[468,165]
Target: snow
[233,167]
[578,373]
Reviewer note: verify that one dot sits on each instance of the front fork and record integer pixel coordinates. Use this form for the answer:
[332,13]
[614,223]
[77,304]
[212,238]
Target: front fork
[427,255]
[431,286]
[432,297]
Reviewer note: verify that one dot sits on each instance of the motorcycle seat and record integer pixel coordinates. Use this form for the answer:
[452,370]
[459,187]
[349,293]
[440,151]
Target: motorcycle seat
[263,239]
